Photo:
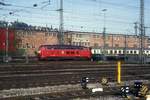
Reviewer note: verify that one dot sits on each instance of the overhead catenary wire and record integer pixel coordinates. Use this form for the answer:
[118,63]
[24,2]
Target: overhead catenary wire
[73,15]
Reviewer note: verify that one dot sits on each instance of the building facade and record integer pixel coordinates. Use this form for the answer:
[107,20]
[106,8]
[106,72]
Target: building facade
[31,40]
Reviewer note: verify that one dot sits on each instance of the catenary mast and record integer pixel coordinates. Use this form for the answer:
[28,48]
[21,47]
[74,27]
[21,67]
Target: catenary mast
[142,34]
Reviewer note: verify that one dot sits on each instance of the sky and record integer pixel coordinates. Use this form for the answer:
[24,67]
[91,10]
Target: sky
[79,15]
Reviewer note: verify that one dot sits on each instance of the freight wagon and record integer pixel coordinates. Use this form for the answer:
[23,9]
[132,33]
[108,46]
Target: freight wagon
[11,41]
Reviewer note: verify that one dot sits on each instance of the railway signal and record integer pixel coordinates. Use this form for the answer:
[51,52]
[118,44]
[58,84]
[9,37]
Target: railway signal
[137,87]
[84,81]
[125,91]
[140,90]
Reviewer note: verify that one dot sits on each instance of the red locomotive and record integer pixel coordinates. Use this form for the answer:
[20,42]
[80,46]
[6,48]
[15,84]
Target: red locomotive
[63,52]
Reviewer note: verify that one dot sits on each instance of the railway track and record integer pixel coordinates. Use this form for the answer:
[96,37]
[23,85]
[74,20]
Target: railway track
[57,73]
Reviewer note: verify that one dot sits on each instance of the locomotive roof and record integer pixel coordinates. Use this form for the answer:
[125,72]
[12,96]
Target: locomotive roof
[63,46]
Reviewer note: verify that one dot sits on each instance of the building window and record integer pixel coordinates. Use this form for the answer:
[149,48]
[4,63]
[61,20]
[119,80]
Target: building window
[148,40]
[98,36]
[46,34]
[95,44]
[80,35]
[53,34]
[85,43]
[74,43]
[135,46]
[118,39]
[116,45]
[76,35]
[106,45]
[33,46]
[27,45]
[24,46]
[82,43]
[94,36]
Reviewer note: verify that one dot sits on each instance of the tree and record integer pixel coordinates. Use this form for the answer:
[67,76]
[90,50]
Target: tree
[19,25]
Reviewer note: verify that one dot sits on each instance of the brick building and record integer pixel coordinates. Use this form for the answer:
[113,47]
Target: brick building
[90,39]
[31,40]
[77,38]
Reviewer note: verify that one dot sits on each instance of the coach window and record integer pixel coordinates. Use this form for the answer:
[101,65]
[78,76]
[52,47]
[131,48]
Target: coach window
[119,51]
[147,51]
[127,52]
[115,51]
[94,51]
[111,52]
[134,52]
[123,52]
